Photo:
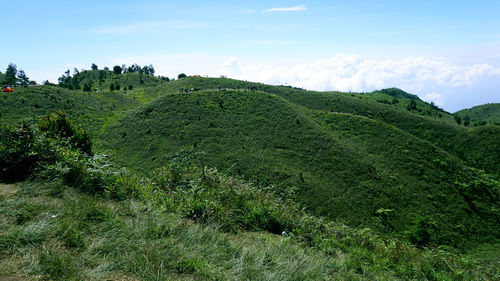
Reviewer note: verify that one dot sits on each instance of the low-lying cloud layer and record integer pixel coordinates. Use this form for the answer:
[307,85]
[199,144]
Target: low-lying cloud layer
[450,85]
[433,79]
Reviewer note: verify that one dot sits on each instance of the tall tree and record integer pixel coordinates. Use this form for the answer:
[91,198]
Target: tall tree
[117,69]
[21,76]
[151,69]
[94,66]
[10,74]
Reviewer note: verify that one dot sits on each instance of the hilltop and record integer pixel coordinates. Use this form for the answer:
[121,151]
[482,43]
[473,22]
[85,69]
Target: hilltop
[420,119]
[487,113]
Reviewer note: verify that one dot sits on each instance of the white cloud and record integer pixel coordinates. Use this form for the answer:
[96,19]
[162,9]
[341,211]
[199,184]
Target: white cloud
[435,79]
[288,9]
[436,98]
[447,84]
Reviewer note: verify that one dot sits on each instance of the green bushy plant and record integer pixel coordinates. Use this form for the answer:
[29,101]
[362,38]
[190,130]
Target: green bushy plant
[59,125]
[17,155]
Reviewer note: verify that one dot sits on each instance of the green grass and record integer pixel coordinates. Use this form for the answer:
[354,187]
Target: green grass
[426,122]
[342,166]
[86,237]
[91,110]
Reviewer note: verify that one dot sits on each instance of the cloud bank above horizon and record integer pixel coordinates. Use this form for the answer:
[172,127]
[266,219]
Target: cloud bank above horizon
[433,79]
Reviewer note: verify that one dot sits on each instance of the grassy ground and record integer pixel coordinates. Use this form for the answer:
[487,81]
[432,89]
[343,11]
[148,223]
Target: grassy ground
[53,232]
[380,171]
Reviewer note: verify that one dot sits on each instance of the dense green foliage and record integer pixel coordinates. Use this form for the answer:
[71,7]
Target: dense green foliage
[186,223]
[28,147]
[489,113]
[59,126]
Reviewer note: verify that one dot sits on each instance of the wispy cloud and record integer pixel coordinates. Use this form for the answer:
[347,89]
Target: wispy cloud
[286,9]
[269,42]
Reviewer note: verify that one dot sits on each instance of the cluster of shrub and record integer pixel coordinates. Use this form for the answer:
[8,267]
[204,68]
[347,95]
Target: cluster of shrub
[73,82]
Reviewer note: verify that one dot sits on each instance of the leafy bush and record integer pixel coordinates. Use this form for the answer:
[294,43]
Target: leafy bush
[17,152]
[58,125]
[53,141]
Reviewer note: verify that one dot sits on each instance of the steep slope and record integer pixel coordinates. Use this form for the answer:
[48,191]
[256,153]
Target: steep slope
[340,165]
[483,113]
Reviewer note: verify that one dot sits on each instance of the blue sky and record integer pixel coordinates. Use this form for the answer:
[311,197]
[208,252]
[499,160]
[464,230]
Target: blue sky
[444,51]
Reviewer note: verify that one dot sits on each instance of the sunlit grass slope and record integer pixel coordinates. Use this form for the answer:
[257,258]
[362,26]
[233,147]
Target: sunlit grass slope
[391,106]
[341,165]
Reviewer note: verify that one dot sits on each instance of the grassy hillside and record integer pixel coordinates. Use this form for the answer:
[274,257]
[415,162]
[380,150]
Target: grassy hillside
[483,113]
[92,110]
[78,218]
[340,165]
[424,121]
[381,171]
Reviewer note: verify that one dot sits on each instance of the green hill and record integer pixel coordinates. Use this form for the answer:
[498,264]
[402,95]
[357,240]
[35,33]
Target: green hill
[340,165]
[390,106]
[92,110]
[483,113]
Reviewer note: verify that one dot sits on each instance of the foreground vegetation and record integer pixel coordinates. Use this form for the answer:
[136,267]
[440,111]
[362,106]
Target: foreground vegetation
[78,217]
